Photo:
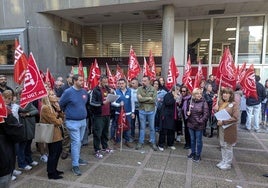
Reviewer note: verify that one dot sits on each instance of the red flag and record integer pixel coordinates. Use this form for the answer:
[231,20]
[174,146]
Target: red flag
[122,122]
[3,109]
[227,71]
[81,73]
[49,79]
[198,76]
[119,73]
[133,65]
[186,78]
[20,64]
[43,76]
[94,74]
[173,73]
[146,69]
[33,87]
[248,83]
[111,78]
[240,72]
[152,66]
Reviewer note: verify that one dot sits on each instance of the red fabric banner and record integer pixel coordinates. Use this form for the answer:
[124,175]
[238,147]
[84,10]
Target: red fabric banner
[94,75]
[3,109]
[49,79]
[122,122]
[173,73]
[20,64]
[248,83]
[186,78]
[152,66]
[33,87]
[198,76]
[227,71]
[119,73]
[146,69]
[133,65]
[111,78]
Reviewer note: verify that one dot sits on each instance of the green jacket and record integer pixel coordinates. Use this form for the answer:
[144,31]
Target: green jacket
[147,102]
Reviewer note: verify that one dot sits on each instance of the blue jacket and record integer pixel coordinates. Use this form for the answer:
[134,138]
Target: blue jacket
[73,103]
[129,105]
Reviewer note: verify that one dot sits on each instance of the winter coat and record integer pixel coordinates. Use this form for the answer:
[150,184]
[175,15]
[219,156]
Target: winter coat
[7,151]
[49,116]
[251,101]
[168,112]
[230,133]
[199,114]
[29,120]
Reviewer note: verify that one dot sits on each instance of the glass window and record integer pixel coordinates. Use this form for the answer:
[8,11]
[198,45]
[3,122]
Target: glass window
[111,40]
[198,40]
[91,41]
[7,52]
[250,39]
[224,32]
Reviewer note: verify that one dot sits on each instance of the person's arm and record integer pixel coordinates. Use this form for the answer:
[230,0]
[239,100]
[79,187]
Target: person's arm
[49,117]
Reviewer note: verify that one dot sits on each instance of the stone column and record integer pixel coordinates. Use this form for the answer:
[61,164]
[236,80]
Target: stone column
[167,37]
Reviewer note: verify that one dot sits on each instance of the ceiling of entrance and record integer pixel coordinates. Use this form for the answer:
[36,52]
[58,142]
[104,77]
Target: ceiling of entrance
[152,10]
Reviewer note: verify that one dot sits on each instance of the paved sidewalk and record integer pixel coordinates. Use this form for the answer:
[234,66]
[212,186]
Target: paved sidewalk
[147,168]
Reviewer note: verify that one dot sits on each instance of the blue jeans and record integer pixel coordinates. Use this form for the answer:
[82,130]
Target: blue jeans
[196,141]
[256,109]
[144,115]
[76,129]
[24,153]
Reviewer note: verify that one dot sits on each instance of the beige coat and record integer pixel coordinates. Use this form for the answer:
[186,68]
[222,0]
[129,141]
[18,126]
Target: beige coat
[48,116]
[230,133]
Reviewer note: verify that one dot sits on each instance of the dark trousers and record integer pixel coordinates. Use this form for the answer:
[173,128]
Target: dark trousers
[24,153]
[100,131]
[178,124]
[187,134]
[54,151]
[133,123]
[166,134]
[243,117]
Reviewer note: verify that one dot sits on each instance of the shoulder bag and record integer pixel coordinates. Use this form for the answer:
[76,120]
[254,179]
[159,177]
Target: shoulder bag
[44,132]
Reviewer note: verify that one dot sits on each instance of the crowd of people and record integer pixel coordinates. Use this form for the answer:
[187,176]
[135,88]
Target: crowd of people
[76,113]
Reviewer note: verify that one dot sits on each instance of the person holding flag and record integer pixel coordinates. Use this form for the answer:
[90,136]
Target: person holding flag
[129,107]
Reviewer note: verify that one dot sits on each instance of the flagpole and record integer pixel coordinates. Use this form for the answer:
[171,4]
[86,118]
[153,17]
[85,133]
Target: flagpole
[219,89]
[121,142]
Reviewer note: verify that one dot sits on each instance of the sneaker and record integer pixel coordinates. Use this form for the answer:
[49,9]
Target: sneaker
[196,158]
[17,172]
[160,148]
[258,131]
[178,139]
[186,147]
[108,150]
[172,147]
[220,164]
[82,162]
[154,147]
[128,144]
[13,178]
[98,155]
[34,163]
[44,158]
[76,171]
[191,156]
[26,168]
[139,146]
[225,167]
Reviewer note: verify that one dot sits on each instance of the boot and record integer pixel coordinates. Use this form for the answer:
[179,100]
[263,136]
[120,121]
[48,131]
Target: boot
[211,132]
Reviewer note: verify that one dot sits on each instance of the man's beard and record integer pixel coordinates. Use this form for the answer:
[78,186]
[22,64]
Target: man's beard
[3,84]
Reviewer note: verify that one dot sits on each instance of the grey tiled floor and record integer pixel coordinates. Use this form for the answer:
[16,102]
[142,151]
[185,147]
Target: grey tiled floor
[147,168]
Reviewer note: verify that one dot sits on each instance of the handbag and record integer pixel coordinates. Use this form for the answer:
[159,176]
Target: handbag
[44,132]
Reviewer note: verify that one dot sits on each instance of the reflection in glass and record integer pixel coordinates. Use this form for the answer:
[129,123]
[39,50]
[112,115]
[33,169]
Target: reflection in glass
[250,39]
[224,32]
[6,52]
[198,40]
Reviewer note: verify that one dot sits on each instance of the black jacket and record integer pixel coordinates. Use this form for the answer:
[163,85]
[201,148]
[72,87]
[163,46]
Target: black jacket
[261,95]
[7,153]
[96,100]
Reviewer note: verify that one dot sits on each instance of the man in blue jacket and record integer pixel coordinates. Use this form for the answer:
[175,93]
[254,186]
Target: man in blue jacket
[129,107]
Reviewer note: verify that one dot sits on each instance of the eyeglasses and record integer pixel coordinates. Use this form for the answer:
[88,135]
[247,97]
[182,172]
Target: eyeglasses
[183,91]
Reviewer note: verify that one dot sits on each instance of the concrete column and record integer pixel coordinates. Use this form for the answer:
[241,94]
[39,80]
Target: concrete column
[167,37]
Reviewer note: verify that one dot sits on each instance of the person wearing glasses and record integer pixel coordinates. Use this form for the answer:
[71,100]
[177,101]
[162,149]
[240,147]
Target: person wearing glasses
[183,105]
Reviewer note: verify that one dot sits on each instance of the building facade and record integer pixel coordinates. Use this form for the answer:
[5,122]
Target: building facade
[61,32]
